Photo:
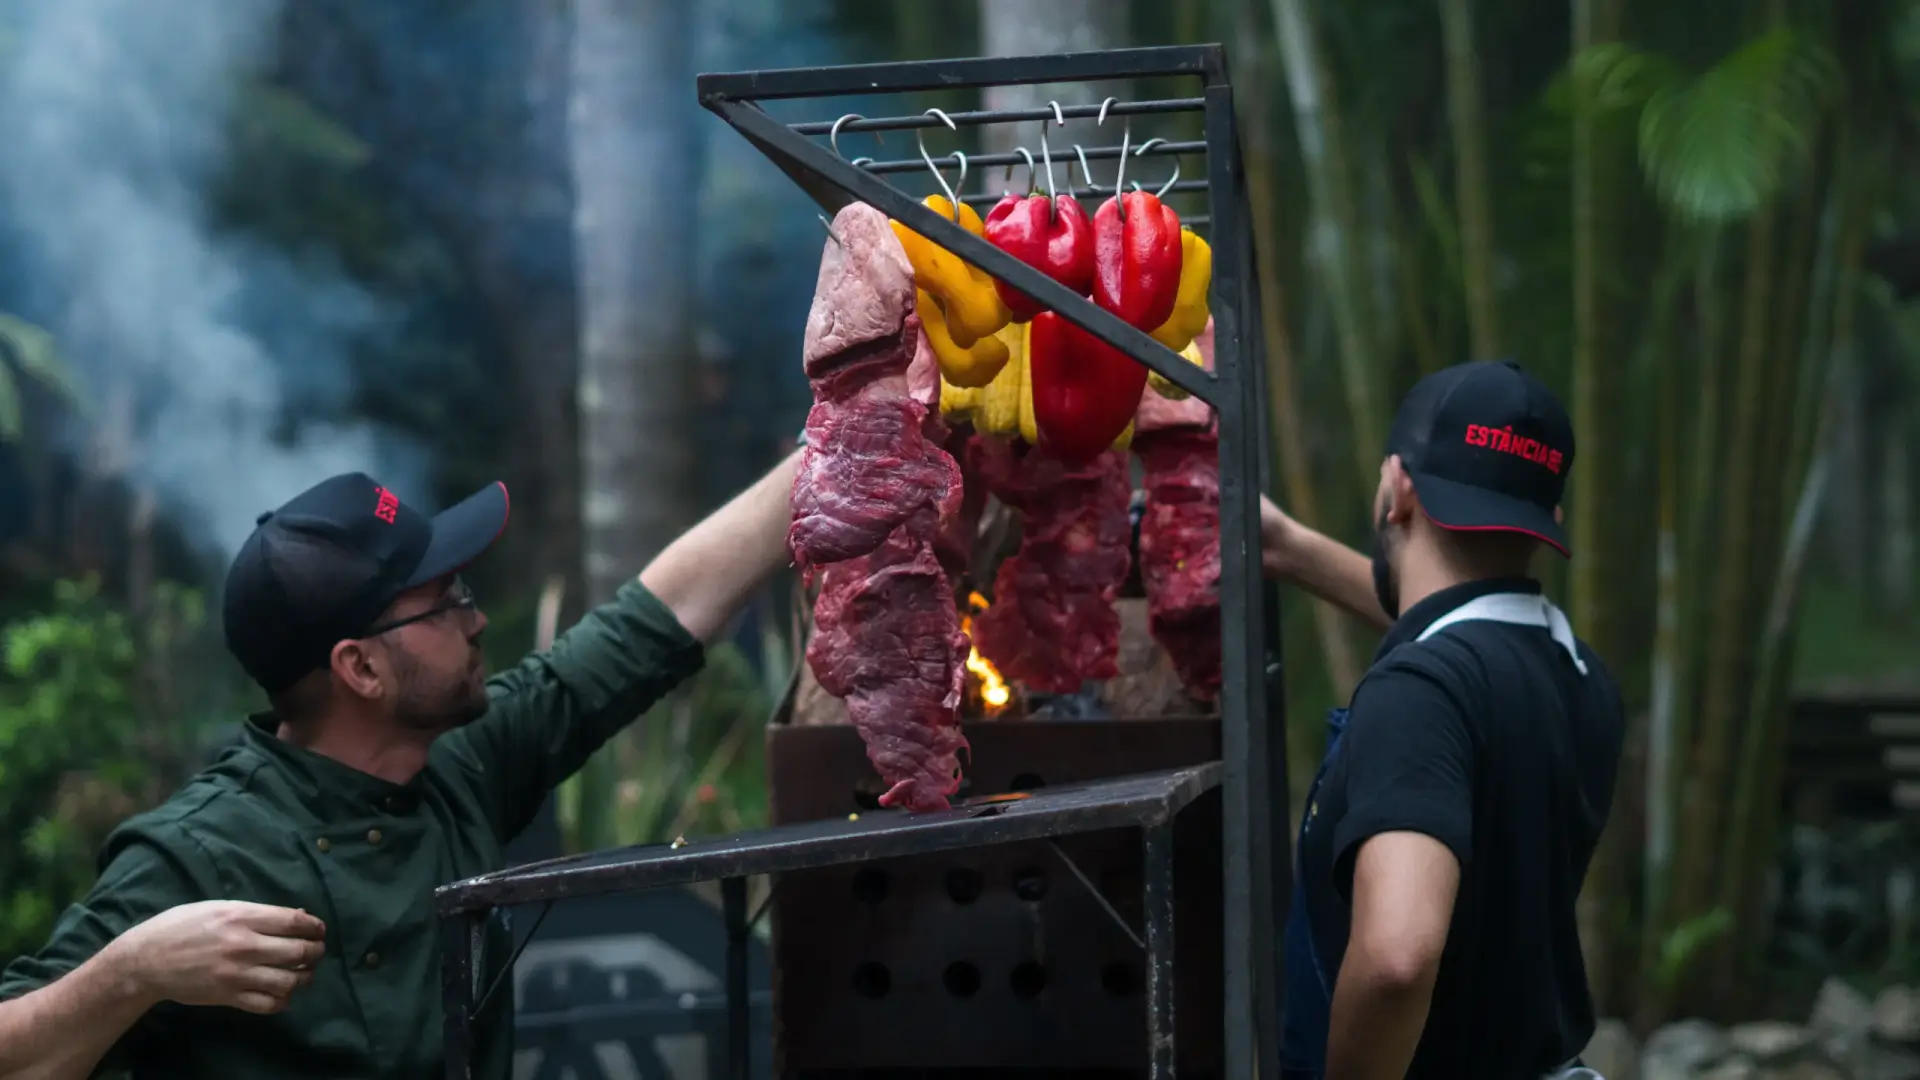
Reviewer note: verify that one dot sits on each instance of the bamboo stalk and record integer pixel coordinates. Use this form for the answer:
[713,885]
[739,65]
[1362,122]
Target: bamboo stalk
[1296,464]
[1829,339]
[1591,424]
[1334,234]
[1730,651]
[1668,666]
[1470,177]
[1413,305]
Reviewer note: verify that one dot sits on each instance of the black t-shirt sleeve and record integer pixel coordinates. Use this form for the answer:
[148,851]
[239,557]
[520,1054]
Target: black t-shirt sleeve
[1409,764]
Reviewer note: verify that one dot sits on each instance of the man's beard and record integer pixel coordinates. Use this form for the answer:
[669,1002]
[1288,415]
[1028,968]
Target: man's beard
[428,704]
[1386,587]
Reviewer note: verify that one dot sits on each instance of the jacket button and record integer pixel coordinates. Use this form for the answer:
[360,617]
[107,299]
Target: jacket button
[325,845]
[372,960]
[373,836]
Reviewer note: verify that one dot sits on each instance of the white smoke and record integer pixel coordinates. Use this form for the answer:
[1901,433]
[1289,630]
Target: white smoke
[114,113]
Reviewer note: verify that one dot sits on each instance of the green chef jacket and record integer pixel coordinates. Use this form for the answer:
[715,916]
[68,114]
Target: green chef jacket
[272,823]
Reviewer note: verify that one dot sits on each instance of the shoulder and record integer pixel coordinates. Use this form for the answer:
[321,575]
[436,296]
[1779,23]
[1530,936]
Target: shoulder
[215,808]
[1437,673]
[1602,676]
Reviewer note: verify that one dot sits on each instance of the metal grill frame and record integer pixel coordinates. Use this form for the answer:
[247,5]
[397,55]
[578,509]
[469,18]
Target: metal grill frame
[1253,770]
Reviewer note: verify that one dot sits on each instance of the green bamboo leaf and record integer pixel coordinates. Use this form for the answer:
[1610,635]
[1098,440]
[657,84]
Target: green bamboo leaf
[10,426]
[1620,76]
[286,118]
[1719,146]
[33,352]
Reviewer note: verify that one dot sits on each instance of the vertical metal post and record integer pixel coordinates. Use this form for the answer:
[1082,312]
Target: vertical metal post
[1279,843]
[1252,1032]
[460,941]
[1266,706]
[733,897]
[1158,902]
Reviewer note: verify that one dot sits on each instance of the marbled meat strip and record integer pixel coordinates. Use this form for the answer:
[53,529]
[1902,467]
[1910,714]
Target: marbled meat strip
[1052,624]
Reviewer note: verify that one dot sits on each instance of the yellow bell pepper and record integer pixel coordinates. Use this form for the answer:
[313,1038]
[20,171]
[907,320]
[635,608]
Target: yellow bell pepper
[1190,304]
[969,367]
[1005,405]
[1029,430]
[993,409]
[968,299]
[1164,386]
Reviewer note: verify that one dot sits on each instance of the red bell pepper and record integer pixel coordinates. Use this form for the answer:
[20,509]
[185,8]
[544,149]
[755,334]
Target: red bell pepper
[1085,391]
[1051,235]
[1137,259]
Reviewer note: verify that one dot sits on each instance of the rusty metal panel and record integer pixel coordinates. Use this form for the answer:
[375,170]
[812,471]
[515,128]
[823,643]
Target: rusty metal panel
[995,958]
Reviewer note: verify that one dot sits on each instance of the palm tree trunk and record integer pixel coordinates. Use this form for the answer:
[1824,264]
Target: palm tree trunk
[1470,177]
[631,149]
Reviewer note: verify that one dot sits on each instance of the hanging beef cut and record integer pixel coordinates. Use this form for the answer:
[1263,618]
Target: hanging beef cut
[871,500]
[1178,445]
[869,465]
[1052,624]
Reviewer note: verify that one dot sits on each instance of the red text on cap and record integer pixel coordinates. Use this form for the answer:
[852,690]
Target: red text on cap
[388,507]
[1505,441]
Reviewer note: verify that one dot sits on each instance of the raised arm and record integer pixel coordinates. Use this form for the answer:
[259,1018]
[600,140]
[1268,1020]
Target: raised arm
[1323,566]
[707,575]
[550,712]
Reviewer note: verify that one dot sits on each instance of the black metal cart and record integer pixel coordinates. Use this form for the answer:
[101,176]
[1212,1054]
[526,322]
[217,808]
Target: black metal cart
[1243,792]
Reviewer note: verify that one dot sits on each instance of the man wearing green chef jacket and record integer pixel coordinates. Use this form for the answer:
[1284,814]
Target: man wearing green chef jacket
[274,918]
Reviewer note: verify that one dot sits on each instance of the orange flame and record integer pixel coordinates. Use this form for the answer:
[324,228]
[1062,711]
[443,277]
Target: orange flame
[993,689]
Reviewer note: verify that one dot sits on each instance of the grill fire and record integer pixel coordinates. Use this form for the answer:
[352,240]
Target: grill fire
[992,690]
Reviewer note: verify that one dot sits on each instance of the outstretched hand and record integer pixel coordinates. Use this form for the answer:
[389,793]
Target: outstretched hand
[1296,554]
[224,952]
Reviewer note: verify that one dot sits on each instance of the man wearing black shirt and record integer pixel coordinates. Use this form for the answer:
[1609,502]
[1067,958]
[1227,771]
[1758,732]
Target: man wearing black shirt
[1446,837]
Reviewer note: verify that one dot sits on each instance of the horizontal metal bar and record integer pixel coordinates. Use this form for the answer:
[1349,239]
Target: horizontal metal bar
[978,117]
[1197,221]
[980,198]
[1065,155]
[697,1010]
[1143,800]
[1207,61]
[834,183]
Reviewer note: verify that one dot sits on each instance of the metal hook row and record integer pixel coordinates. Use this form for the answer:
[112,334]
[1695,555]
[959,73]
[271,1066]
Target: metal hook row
[1059,119]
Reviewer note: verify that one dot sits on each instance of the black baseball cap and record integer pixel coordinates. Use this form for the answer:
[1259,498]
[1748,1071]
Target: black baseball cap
[1488,446]
[322,568]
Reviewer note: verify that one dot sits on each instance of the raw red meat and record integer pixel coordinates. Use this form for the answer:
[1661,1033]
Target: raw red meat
[868,466]
[887,640]
[868,469]
[1052,624]
[1158,413]
[873,494]
[1180,550]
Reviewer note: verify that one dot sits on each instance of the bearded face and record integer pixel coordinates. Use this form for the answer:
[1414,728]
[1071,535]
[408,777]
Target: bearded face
[1386,582]
[439,694]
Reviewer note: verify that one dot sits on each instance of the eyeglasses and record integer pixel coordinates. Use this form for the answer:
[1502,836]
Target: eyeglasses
[457,598]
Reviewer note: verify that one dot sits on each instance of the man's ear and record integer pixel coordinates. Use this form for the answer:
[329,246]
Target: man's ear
[358,668]
[1559,517]
[1402,502]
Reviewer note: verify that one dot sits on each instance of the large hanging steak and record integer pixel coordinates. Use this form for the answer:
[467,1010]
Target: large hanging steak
[871,500]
